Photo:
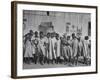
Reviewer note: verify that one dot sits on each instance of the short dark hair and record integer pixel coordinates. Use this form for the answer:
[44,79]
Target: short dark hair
[68,36]
[86,37]
[48,33]
[73,34]
[57,34]
[41,32]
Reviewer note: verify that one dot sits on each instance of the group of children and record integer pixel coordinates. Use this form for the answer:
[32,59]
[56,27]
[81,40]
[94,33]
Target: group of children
[51,48]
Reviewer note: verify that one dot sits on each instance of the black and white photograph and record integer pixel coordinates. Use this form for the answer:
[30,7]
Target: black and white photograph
[53,39]
[56,39]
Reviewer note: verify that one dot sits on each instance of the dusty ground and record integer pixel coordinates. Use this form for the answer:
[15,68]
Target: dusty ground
[37,66]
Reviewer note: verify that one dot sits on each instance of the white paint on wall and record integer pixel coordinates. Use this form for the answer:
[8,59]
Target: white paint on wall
[58,19]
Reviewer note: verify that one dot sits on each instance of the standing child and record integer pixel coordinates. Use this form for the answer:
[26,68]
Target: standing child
[36,45]
[28,47]
[86,49]
[58,49]
[42,48]
[74,49]
[53,39]
[65,49]
[69,49]
[47,45]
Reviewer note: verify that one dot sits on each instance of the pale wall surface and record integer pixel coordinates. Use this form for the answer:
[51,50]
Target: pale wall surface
[5,40]
[59,20]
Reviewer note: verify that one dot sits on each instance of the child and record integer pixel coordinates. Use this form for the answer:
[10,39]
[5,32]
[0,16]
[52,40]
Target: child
[53,40]
[69,49]
[42,48]
[47,45]
[74,49]
[36,45]
[28,47]
[86,49]
[58,52]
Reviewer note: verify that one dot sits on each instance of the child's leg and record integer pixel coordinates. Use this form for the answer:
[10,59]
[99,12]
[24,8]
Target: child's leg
[41,59]
[35,59]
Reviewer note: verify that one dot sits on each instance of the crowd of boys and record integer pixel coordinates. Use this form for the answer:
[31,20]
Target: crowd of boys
[51,48]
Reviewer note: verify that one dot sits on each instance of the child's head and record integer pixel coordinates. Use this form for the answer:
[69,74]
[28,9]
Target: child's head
[73,35]
[36,34]
[31,32]
[48,35]
[86,37]
[57,36]
[68,37]
[41,34]
[52,35]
